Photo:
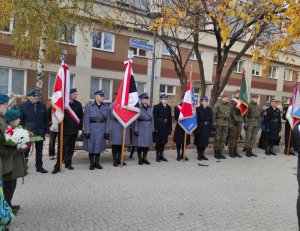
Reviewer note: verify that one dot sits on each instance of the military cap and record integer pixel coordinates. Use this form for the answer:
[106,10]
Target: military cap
[12,115]
[224,95]
[254,95]
[32,92]
[73,90]
[3,98]
[164,96]
[273,99]
[204,98]
[99,92]
[144,96]
[236,92]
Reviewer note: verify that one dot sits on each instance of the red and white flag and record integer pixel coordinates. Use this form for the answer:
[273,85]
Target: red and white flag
[125,106]
[60,98]
[293,112]
[186,110]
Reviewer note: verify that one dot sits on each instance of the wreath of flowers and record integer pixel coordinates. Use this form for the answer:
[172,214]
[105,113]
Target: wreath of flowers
[19,137]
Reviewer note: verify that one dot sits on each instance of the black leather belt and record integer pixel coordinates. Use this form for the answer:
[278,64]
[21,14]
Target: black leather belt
[97,121]
[163,120]
[144,119]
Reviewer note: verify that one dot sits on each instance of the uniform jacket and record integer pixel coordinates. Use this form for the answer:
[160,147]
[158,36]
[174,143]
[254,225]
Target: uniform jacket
[204,125]
[70,126]
[162,123]
[252,116]
[34,117]
[178,137]
[273,123]
[236,114]
[96,123]
[222,114]
[116,129]
[144,125]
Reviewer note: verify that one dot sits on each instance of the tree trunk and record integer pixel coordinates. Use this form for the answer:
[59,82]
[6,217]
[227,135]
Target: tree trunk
[40,65]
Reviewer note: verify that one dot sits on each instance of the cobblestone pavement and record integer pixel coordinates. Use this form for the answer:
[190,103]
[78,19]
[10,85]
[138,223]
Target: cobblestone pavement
[234,194]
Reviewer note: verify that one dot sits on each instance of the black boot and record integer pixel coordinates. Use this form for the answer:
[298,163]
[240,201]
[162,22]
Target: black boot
[92,161]
[202,155]
[178,154]
[115,159]
[145,161]
[248,152]
[199,154]
[162,155]
[236,153]
[157,155]
[252,154]
[140,157]
[97,164]
[221,155]
[231,153]
[272,150]
[217,155]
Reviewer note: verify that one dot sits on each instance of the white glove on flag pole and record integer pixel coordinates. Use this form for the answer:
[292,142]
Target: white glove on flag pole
[60,98]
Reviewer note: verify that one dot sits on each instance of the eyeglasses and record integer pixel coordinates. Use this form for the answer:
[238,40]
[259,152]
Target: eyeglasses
[35,96]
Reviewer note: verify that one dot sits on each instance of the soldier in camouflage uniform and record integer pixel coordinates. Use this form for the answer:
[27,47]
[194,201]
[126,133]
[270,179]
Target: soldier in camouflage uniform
[236,128]
[221,121]
[252,125]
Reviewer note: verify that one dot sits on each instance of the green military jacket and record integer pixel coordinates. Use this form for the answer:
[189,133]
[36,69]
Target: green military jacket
[222,114]
[236,113]
[252,117]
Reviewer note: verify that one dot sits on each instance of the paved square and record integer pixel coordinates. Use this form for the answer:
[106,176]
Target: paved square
[234,194]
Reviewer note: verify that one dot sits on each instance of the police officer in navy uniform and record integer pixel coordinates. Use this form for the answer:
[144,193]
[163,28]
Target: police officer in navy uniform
[96,129]
[143,128]
[204,127]
[162,126]
[273,126]
[179,134]
[34,117]
[70,133]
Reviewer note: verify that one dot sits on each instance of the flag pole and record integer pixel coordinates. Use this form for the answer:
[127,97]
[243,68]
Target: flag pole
[61,145]
[289,143]
[123,144]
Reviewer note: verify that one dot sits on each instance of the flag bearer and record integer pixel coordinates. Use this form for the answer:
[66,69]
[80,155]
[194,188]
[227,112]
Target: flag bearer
[143,129]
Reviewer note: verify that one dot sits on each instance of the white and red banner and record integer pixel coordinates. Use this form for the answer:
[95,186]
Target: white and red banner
[60,98]
[293,112]
[125,106]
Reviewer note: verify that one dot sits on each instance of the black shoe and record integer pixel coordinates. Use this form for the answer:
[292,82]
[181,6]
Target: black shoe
[92,167]
[145,161]
[97,164]
[115,163]
[55,171]
[186,158]
[70,167]
[14,211]
[163,158]
[124,163]
[141,162]
[236,153]
[217,156]
[92,161]
[199,155]
[248,152]
[178,158]
[41,170]
[16,207]
[221,155]
[231,153]
[252,154]
[203,156]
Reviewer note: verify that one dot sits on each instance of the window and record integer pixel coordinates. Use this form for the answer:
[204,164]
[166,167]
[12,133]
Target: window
[269,97]
[196,96]
[51,82]
[215,59]
[238,68]
[285,100]
[12,81]
[256,69]
[165,50]
[167,89]
[140,87]
[138,51]
[67,34]
[8,27]
[103,84]
[273,72]
[287,75]
[104,41]
[193,55]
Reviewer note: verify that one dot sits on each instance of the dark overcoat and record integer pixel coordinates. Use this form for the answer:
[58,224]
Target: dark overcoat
[178,137]
[96,123]
[273,123]
[34,117]
[204,125]
[116,130]
[144,125]
[162,123]
[70,126]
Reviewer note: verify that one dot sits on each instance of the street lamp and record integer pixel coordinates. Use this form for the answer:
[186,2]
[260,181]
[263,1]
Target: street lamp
[155,11]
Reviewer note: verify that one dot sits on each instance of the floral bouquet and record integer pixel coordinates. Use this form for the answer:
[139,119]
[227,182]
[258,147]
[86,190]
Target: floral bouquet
[20,137]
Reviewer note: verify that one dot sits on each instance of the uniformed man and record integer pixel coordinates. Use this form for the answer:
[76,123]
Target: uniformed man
[71,130]
[143,129]
[236,128]
[288,135]
[34,117]
[204,127]
[273,126]
[96,128]
[179,134]
[222,114]
[296,133]
[116,137]
[162,126]
[252,125]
